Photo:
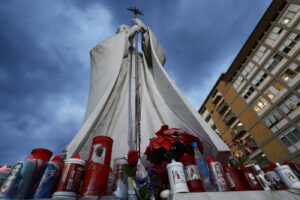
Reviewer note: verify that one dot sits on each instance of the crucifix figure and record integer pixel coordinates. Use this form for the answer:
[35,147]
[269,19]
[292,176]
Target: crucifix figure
[131,96]
[137,141]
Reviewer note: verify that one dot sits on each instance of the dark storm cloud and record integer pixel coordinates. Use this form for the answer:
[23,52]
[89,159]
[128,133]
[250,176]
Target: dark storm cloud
[44,58]
[44,74]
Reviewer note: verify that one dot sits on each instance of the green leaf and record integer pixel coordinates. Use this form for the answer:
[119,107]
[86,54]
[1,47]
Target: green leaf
[168,156]
[143,191]
[130,171]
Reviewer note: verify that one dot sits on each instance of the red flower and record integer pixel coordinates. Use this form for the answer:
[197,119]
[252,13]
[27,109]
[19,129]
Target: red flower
[164,141]
[189,139]
[133,157]
[161,131]
[167,137]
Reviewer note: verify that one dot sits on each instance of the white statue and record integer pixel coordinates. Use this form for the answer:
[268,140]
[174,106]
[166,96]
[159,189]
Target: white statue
[111,104]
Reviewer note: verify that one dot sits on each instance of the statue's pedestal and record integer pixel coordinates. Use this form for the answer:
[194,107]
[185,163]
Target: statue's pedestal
[292,194]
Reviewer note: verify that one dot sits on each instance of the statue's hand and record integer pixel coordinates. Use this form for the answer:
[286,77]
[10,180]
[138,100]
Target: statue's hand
[138,26]
[134,29]
[139,23]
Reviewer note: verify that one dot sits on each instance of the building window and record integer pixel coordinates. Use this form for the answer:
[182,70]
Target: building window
[290,73]
[207,118]
[251,143]
[290,42]
[229,118]
[214,127]
[273,90]
[248,68]
[214,93]
[287,17]
[290,137]
[259,53]
[259,78]
[260,104]
[290,104]
[238,82]
[298,57]
[247,92]
[223,106]
[275,32]
[273,118]
[238,130]
[202,110]
[286,141]
[273,62]
[298,26]
[289,14]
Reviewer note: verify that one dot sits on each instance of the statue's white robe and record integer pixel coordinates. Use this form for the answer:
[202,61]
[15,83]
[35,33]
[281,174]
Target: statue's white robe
[111,104]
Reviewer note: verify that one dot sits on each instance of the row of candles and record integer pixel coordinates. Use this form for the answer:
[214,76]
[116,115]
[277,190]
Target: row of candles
[208,175]
[37,177]
[228,178]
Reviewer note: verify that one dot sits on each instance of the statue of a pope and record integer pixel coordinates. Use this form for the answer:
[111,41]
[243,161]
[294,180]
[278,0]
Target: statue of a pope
[111,104]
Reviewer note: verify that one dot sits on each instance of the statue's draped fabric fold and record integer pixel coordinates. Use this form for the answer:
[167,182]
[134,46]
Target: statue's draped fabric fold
[111,104]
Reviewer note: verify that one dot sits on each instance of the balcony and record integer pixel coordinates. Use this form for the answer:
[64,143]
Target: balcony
[238,130]
[251,143]
[229,118]
[237,133]
[230,121]
[222,107]
[217,99]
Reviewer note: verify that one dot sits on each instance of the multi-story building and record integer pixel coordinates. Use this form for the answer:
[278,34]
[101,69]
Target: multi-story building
[258,99]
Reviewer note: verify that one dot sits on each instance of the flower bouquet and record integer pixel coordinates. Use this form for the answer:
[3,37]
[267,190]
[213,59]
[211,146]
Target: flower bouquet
[169,144]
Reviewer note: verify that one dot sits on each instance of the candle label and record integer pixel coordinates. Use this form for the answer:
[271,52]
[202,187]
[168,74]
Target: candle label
[252,178]
[230,180]
[98,155]
[191,173]
[274,178]
[290,175]
[178,177]
[71,177]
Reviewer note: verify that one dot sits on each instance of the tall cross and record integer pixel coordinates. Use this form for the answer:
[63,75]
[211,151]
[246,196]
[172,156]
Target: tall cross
[137,90]
[136,11]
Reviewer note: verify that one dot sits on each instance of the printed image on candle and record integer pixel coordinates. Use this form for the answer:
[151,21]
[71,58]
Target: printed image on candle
[251,176]
[192,174]
[98,155]
[47,181]
[220,176]
[13,182]
[177,175]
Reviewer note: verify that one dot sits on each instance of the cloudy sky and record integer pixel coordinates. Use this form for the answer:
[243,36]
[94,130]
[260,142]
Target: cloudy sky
[45,66]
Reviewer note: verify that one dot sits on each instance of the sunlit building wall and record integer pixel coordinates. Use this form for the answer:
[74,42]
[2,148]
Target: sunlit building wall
[258,99]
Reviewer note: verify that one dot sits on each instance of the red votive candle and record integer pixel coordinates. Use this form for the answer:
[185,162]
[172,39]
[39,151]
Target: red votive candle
[98,165]
[192,173]
[249,179]
[233,178]
[71,175]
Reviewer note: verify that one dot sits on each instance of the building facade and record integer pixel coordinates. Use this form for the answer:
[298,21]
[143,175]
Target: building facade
[255,105]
